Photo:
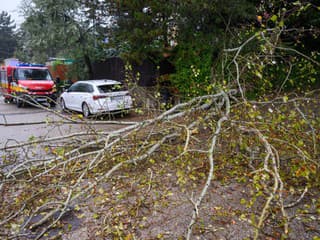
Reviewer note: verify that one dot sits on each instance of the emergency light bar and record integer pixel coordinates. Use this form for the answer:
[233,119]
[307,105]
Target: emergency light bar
[15,63]
[29,65]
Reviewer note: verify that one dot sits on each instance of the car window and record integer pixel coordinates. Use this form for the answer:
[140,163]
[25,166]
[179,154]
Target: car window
[81,87]
[110,88]
[32,74]
[3,75]
[73,88]
[88,88]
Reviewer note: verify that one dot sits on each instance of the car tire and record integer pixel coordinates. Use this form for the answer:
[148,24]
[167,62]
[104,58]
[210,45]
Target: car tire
[85,110]
[63,105]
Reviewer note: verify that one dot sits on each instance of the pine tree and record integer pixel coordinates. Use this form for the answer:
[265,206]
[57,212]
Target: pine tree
[8,42]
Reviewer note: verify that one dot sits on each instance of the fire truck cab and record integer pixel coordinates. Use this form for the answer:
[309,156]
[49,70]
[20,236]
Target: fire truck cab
[24,82]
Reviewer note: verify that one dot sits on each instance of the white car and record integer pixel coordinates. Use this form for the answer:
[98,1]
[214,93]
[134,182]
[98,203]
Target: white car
[96,96]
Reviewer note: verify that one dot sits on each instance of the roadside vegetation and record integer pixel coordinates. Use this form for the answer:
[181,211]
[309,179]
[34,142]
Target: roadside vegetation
[235,156]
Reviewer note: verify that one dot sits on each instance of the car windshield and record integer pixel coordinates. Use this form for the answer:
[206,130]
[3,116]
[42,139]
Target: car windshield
[110,88]
[33,74]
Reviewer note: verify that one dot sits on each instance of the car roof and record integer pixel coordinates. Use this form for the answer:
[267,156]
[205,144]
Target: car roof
[101,82]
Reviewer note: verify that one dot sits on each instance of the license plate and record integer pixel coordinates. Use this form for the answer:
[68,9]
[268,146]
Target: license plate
[117,98]
[41,99]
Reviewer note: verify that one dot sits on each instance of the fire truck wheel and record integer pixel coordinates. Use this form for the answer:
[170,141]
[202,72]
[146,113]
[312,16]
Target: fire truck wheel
[52,104]
[19,103]
[85,110]
[7,100]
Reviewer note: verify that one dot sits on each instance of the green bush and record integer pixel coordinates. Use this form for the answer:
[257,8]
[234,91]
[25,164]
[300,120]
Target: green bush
[193,64]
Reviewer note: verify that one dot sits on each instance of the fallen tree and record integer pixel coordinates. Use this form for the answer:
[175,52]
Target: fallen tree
[117,182]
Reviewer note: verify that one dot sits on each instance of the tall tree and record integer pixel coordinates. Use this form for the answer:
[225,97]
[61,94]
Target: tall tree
[191,32]
[8,41]
[59,28]
[141,27]
[150,26]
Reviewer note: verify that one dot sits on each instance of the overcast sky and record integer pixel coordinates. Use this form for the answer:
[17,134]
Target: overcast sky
[11,6]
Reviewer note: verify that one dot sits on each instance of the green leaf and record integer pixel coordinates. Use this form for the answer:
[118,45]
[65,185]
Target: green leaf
[243,201]
[274,18]
[281,24]
[297,3]
[258,74]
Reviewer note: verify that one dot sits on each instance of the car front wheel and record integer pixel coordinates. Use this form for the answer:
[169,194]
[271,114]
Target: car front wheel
[63,105]
[85,110]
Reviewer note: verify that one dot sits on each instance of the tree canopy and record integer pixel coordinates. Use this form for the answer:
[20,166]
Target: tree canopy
[58,29]
[191,35]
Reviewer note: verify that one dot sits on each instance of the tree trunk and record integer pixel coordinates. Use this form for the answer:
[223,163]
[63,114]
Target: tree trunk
[87,61]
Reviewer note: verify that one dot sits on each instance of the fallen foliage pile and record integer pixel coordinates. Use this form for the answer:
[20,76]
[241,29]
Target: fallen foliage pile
[213,168]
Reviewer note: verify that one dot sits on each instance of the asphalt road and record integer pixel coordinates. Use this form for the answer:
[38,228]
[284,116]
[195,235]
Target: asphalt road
[18,125]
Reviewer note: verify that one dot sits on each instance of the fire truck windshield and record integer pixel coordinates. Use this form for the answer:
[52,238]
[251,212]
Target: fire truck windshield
[32,74]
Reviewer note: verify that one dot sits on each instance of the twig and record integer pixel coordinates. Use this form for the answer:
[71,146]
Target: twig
[210,174]
[293,204]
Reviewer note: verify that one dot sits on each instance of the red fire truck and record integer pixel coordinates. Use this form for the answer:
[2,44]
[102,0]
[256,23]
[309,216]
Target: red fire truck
[24,82]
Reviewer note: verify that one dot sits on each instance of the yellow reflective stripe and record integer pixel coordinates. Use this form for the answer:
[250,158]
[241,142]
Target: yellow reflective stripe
[4,85]
[12,88]
[18,89]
